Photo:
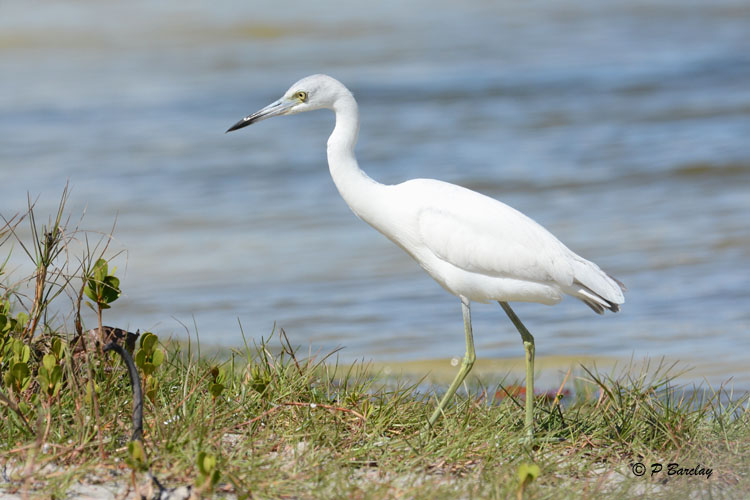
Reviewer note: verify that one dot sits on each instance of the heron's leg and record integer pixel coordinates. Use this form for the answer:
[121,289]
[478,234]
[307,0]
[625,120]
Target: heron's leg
[528,346]
[466,364]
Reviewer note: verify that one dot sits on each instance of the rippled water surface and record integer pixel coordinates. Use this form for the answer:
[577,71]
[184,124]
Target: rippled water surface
[623,127]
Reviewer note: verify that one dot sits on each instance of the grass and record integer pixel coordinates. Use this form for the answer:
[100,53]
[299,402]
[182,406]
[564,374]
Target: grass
[265,422]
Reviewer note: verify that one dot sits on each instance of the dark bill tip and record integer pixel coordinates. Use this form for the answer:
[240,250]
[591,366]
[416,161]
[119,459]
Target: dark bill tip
[248,120]
[274,109]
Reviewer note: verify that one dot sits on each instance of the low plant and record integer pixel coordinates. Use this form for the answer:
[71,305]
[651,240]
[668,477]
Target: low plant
[148,359]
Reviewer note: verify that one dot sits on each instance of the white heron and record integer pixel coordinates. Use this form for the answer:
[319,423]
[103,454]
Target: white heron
[476,247]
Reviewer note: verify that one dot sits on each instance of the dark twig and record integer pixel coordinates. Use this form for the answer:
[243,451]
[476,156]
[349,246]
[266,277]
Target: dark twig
[135,382]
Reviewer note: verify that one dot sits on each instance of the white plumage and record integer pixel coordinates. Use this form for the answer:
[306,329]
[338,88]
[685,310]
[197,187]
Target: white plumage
[476,247]
[484,250]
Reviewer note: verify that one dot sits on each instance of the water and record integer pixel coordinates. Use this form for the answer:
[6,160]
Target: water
[623,127]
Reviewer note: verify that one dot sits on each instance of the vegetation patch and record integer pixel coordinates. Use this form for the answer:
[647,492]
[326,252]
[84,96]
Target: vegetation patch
[265,422]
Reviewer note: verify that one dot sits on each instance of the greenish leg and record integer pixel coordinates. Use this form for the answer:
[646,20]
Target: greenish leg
[528,346]
[466,364]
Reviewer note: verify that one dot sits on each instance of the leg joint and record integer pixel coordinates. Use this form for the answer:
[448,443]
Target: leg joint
[469,359]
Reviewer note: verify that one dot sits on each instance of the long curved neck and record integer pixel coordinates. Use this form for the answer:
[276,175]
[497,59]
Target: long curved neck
[359,191]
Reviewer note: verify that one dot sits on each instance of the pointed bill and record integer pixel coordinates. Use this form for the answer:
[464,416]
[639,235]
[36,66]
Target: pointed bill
[277,108]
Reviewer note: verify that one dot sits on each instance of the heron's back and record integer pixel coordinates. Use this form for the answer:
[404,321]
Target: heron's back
[482,249]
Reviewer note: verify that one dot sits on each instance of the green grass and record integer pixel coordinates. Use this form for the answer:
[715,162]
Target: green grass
[264,422]
[285,427]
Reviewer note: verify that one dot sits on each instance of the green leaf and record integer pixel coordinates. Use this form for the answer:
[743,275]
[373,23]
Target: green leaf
[215,477]
[135,451]
[136,458]
[216,390]
[49,380]
[57,348]
[527,473]
[56,375]
[206,463]
[101,287]
[110,290]
[100,270]
[49,361]
[157,358]
[20,371]
[18,350]
[148,341]
[21,319]
[140,358]
[43,375]
[89,291]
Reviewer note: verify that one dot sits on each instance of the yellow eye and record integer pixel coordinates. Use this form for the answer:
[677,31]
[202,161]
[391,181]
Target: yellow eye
[301,95]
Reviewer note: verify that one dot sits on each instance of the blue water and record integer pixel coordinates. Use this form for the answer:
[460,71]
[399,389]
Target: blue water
[623,127]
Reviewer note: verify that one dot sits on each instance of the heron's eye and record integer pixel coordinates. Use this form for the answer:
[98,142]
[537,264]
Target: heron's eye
[301,95]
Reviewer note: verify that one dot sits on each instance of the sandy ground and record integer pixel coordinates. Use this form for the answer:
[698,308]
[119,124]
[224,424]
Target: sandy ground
[91,487]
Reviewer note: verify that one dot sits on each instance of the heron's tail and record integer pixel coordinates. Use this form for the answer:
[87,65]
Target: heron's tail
[595,288]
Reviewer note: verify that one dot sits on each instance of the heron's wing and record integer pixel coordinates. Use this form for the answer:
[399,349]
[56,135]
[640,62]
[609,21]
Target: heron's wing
[482,235]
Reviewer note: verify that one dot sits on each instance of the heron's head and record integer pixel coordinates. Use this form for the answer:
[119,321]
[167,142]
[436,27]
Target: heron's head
[310,93]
